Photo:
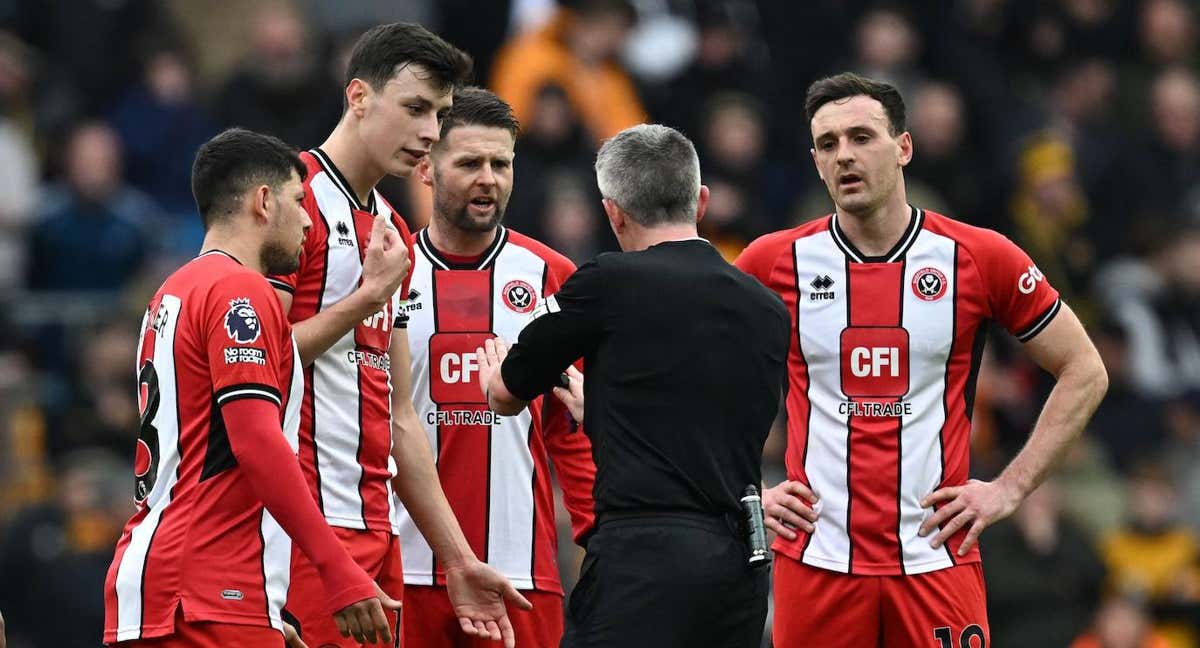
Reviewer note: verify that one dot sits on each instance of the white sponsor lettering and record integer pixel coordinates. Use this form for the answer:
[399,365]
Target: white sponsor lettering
[456,368]
[870,361]
[248,355]
[378,320]
[873,410]
[1027,283]
[463,417]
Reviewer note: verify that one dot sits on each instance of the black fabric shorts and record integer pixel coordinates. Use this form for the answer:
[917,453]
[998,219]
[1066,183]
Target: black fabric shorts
[672,580]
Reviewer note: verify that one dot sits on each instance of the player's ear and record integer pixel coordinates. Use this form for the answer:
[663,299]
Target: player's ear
[813,153]
[701,203]
[260,202]
[905,142]
[425,170]
[616,217]
[356,96]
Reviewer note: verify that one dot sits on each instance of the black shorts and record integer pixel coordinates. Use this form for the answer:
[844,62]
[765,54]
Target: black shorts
[667,581]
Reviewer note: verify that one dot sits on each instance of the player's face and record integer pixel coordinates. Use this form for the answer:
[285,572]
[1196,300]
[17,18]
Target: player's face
[473,177]
[400,121]
[857,157]
[281,250]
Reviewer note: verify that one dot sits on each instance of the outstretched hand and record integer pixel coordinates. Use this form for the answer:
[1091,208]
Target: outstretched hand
[478,593]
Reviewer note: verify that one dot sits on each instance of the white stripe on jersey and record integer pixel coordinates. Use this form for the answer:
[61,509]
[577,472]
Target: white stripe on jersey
[820,325]
[336,399]
[930,326]
[133,562]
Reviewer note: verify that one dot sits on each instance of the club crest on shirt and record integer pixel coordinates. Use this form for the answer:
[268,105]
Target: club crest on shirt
[519,296]
[241,322]
[929,284]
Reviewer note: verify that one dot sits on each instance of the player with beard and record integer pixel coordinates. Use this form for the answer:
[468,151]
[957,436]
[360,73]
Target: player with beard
[359,440]
[205,559]
[474,279]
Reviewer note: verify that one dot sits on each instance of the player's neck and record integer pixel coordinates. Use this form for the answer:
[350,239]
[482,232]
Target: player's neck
[350,158]
[645,237]
[451,240]
[876,232]
[246,249]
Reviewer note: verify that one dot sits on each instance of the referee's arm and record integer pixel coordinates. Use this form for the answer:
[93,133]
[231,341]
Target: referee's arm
[566,328]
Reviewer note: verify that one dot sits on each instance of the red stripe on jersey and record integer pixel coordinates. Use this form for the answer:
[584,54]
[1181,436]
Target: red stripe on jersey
[463,309]
[872,345]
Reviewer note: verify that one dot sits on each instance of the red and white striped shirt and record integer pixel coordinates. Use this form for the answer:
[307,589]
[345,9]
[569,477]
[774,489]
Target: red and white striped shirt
[494,469]
[213,333]
[882,373]
[345,425]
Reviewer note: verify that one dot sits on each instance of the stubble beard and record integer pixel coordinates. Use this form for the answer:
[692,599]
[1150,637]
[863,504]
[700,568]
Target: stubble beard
[277,260]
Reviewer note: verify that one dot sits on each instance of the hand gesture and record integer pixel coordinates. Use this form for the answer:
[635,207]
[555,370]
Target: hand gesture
[477,593]
[491,355]
[788,506]
[385,263]
[365,620]
[977,503]
[572,394]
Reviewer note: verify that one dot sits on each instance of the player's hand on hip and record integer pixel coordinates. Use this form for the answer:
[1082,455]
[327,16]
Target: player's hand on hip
[491,355]
[365,620]
[789,506]
[385,263]
[572,394]
[291,638]
[478,593]
[978,504]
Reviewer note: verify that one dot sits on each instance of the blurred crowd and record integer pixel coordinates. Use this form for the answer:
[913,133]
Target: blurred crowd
[1072,126]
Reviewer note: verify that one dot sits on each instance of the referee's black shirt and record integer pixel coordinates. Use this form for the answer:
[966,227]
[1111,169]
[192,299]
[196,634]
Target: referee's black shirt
[685,361]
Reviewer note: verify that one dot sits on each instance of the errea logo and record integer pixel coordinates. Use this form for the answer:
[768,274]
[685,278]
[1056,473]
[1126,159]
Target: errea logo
[821,285]
[1027,283]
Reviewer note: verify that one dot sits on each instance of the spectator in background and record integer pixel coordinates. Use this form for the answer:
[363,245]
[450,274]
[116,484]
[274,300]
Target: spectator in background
[1182,451]
[733,146]
[92,232]
[1049,211]
[888,48]
[1122,623]
[568,218]
[1155,557]
[161,125]
[1026,608]
[1157,301]
[727,60]
[1167,33]
[1170,167]
[552,143]
[280,88]
[18,183]
[946,164]
[58,553]
[577,50]
[1128,424]
[99,412]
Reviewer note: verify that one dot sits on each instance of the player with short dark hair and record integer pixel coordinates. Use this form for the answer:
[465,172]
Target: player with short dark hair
[473,279]
[356,446]
[877,522]
[205,560]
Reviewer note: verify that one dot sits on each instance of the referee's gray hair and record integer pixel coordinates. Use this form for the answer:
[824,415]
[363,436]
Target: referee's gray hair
[652,172]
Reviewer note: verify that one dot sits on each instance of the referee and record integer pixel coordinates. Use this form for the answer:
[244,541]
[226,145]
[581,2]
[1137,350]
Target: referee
[685,358]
